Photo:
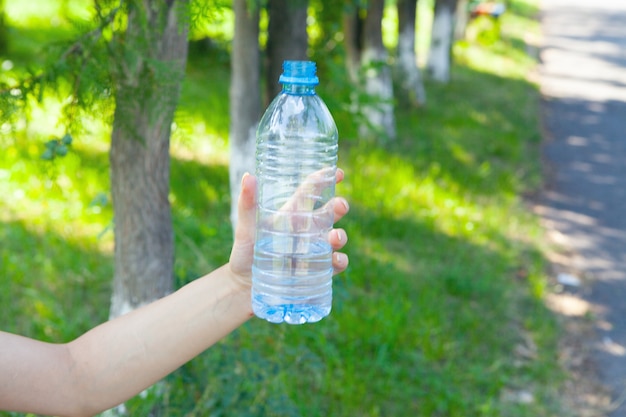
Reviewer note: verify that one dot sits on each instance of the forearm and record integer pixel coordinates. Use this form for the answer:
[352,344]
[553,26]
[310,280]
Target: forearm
[124,356]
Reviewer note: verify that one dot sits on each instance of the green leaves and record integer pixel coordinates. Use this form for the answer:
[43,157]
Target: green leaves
[57,147]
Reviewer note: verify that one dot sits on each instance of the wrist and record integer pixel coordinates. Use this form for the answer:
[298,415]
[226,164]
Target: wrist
[240,287]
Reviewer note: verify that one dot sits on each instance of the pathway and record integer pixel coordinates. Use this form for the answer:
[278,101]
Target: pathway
[583,79]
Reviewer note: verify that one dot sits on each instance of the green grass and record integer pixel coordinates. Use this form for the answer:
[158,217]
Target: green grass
[446,276]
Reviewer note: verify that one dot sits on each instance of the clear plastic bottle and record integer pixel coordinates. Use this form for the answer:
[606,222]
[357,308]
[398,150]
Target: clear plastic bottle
[296,162]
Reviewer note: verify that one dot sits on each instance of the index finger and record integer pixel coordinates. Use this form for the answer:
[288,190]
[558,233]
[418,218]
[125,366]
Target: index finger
[339,175]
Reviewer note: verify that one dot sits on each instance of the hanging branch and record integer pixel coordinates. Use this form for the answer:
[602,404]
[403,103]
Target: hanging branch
[77,55]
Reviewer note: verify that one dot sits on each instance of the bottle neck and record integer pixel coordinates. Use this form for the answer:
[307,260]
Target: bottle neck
[298,89]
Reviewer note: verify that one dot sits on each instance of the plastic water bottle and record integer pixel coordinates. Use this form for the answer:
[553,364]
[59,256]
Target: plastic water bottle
[296,162]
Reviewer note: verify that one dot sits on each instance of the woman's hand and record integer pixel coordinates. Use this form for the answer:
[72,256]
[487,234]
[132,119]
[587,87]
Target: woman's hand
[243,247]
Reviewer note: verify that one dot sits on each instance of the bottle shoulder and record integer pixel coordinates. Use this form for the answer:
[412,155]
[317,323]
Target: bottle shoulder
[290,111]
[297,102]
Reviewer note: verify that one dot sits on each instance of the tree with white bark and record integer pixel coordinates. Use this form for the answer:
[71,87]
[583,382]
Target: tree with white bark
[440,56]
[245,96]
[408,73]
[368,67]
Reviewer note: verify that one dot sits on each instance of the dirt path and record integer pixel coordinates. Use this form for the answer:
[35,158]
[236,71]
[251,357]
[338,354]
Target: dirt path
[583,80]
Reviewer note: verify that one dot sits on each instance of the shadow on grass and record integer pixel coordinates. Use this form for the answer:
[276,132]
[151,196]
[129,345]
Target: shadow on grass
[200,197]
[53,289]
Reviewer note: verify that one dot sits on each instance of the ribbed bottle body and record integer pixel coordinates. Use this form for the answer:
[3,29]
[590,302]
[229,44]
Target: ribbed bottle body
[296,161]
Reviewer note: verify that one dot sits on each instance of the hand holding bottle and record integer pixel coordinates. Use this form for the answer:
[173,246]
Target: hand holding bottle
[243,247]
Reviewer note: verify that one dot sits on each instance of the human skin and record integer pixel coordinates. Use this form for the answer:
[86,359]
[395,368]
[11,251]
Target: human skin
[118,359]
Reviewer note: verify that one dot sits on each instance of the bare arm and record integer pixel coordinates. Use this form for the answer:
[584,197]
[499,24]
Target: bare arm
[118,359]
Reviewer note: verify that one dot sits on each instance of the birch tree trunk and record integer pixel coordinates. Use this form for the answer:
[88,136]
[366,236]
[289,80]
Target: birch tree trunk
[245,97]
[440,58]
[462,19]
[377,75]
[287,39]
[408,73]
[150,68]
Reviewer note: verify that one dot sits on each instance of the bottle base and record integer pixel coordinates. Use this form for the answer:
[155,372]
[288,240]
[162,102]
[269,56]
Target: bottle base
[290,313]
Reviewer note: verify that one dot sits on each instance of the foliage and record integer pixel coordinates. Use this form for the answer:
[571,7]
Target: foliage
[326,31]
[3,30]
[57,147]
[85,68]
[74,69]
[446,279]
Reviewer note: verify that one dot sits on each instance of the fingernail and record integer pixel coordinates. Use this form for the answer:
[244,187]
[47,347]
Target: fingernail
[345,204]
[244,179]
[339,236]
[341,258]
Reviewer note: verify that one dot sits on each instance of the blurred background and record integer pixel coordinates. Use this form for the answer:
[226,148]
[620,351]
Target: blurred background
[441,311]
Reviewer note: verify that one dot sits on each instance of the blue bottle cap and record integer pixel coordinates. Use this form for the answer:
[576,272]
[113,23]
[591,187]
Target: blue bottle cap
[299,73]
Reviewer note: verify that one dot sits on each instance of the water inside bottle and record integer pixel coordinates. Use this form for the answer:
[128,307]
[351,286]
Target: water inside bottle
[292,286]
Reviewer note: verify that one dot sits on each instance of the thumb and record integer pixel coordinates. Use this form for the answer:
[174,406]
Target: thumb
[243,247]
[246,209]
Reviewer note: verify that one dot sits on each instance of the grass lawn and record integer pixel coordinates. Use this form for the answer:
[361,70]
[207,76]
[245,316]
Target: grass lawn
[440,312]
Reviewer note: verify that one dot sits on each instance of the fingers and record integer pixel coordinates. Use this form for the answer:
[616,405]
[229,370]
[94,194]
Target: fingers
[341,208]
[340,262]
[339,174]
[311,189]
[337,238]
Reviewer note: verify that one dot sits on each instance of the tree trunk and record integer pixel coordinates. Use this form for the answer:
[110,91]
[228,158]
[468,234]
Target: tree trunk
[245,97]
[287,39]
[150,68]
[440,58]
[462,19]
[377,82]
[408,73]
[353,40]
